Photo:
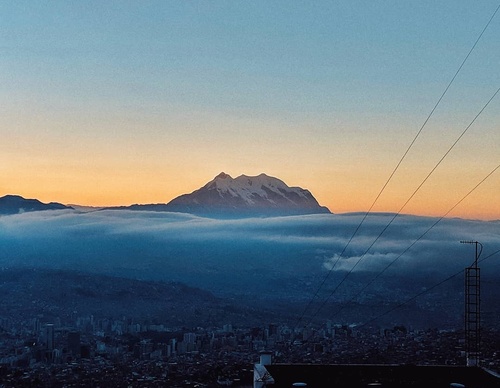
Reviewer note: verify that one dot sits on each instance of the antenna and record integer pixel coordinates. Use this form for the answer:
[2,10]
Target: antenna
[473,308]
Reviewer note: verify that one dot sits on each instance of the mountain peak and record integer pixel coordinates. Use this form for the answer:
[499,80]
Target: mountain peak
[223,175]
[247,196]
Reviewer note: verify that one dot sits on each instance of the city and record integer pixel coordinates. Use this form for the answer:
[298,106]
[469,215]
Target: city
[97,351]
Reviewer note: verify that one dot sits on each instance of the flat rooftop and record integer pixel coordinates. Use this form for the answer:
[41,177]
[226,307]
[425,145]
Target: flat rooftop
[353,376]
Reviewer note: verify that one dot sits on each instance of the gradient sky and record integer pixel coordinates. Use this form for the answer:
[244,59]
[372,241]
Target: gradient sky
[121,102]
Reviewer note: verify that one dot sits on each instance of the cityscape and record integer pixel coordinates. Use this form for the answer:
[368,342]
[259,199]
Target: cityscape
[65,329]
[96,351]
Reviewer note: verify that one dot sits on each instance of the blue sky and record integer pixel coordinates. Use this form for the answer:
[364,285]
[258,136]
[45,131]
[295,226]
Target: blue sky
[106,103]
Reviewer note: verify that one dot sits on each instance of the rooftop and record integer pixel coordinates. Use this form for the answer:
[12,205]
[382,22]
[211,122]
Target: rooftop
[352,376]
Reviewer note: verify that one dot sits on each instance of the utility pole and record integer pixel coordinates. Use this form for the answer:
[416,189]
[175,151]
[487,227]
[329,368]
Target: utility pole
[473,308]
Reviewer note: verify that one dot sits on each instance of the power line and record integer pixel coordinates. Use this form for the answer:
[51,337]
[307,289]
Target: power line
[417,240]
[406,203]
[423,292]
[435,106]
[398,165]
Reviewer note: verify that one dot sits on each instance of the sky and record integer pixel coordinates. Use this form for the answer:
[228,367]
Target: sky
[122,102]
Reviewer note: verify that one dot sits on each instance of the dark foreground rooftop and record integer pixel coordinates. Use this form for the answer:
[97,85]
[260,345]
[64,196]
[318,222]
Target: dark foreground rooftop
[352,376]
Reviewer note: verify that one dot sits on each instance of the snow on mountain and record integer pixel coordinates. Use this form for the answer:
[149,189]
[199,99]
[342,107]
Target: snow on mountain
[260,195]
[249,188]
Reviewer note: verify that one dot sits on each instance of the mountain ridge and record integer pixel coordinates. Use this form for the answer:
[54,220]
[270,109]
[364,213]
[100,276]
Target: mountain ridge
[15,204]
[244,196]
[260,195]
[222,197]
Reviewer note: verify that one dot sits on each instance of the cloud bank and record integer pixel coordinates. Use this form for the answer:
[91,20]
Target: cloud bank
[238,254]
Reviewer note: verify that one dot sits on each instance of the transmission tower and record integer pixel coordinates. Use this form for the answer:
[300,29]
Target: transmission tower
[473,308]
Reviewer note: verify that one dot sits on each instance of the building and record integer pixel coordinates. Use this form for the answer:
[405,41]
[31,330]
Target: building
[74,343]
[267,374]
[49,336]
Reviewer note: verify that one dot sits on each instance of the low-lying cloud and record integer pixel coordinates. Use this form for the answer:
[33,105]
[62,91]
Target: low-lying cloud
[238,253]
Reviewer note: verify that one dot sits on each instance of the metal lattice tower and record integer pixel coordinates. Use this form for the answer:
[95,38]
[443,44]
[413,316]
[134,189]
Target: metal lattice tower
[473,309]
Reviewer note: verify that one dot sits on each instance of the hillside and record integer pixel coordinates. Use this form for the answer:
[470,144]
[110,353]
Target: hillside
[28,293]
[14,204]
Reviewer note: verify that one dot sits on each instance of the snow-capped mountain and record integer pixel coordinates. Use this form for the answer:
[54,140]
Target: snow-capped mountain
[260,195]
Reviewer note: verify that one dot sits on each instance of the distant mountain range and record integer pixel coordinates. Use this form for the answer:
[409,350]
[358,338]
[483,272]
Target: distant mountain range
[244,196]
[222,197]
[14,204]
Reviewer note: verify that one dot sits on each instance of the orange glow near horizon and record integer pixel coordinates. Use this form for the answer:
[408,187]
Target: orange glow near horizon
[125,187]
[155,165]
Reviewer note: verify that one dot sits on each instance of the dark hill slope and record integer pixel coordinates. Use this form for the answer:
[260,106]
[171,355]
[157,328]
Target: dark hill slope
[28,293]
[14,204]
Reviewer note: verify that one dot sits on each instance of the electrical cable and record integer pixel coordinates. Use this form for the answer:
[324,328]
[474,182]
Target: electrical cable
[423,292]
[414,242]
[398,165]
[404,205]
